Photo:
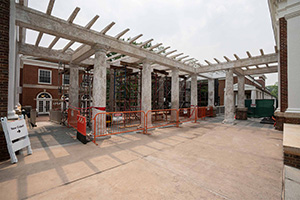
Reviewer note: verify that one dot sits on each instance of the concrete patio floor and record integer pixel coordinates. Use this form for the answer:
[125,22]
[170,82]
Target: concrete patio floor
[207,160]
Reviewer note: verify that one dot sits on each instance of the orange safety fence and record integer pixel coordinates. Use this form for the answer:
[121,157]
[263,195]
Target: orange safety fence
[187,114]
[81,129]
[202,112]
[160,118]
[205,112]
[81,124]
[209,111]
[112,123]
[72,117]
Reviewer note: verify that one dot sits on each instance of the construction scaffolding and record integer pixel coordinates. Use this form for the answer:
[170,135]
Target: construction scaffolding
[127,89]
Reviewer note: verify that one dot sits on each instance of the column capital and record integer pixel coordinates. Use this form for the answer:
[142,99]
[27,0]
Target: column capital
[100,48]
[146,61]
[73,65]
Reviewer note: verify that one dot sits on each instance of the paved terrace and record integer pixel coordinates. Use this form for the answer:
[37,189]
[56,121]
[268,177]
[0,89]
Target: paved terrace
[207,160]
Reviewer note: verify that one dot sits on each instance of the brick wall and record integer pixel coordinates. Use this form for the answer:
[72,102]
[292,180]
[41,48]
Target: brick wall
[292,160]
[4,50]
[283,64]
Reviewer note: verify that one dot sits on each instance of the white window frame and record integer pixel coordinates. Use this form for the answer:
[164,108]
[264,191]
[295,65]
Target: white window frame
[50,76]
[63,79]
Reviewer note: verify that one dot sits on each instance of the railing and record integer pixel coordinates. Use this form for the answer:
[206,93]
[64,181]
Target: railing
[205,112]
[81,124]
[160,118]
[112,123]
[72,117]
[220,110]
[187,114]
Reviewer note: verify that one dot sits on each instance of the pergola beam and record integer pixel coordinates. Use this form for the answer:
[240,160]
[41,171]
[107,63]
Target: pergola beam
[154,46]
[48,54]
[158,52]
[145,43]
[170,52]
[134,38]
[119,35]
[48,12]
[176,55]
[265,70]
[88,26]
[245,62]
[70,20]
[109,26]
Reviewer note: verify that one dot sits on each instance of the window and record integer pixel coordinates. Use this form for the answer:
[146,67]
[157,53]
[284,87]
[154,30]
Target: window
[44,76]
[66,79]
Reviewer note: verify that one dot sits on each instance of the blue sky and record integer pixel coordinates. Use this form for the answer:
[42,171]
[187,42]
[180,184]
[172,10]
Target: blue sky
[198,28]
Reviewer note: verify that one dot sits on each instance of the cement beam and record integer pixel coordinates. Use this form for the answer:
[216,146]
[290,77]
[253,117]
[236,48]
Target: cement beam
[49,54]
[245,62]
[266,70]
[32,19]
[82,53]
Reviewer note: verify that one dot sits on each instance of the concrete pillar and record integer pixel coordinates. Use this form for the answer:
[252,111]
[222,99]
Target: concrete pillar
[253,96]
[146,90]
[19,62]
[194,90]
[161,91]
[241,111]
[241,91]
[99,85]
[111,90]
[229,98]
[211,92]
[11,114]
[175,93]
[74,85]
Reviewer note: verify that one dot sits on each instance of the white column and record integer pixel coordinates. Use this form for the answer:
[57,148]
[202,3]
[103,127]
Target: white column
[146,90]
[293,44]
[17,80]
[74,85]
[194,90]
[99,82]
[11,114]
[211,92]
[241,92]
[253,95]
[229,97]
[175,92]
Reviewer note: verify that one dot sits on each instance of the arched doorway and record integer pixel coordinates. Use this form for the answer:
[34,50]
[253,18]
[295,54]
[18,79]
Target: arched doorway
[44,103]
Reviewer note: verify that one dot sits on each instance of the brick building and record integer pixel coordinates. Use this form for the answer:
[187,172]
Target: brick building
[4,60]
[43,84]
[254,89]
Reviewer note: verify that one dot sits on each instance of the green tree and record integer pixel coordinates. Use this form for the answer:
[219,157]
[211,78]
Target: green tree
[273,89]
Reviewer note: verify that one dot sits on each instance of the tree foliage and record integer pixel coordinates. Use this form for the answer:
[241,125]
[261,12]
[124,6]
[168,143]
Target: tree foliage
[273,89]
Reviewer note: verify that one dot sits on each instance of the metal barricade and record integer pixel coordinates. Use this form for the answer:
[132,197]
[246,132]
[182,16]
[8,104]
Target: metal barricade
[81,129]
[210,111]
[187,114]
[112,123]
[72,117]
[201,112]
[160,118]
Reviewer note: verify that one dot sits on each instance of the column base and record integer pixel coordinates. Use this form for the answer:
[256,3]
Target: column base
[286,117]
[228,121]
[241,113]
[12,115]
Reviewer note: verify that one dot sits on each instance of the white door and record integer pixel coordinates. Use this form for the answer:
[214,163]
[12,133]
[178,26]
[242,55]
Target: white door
[44,103]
